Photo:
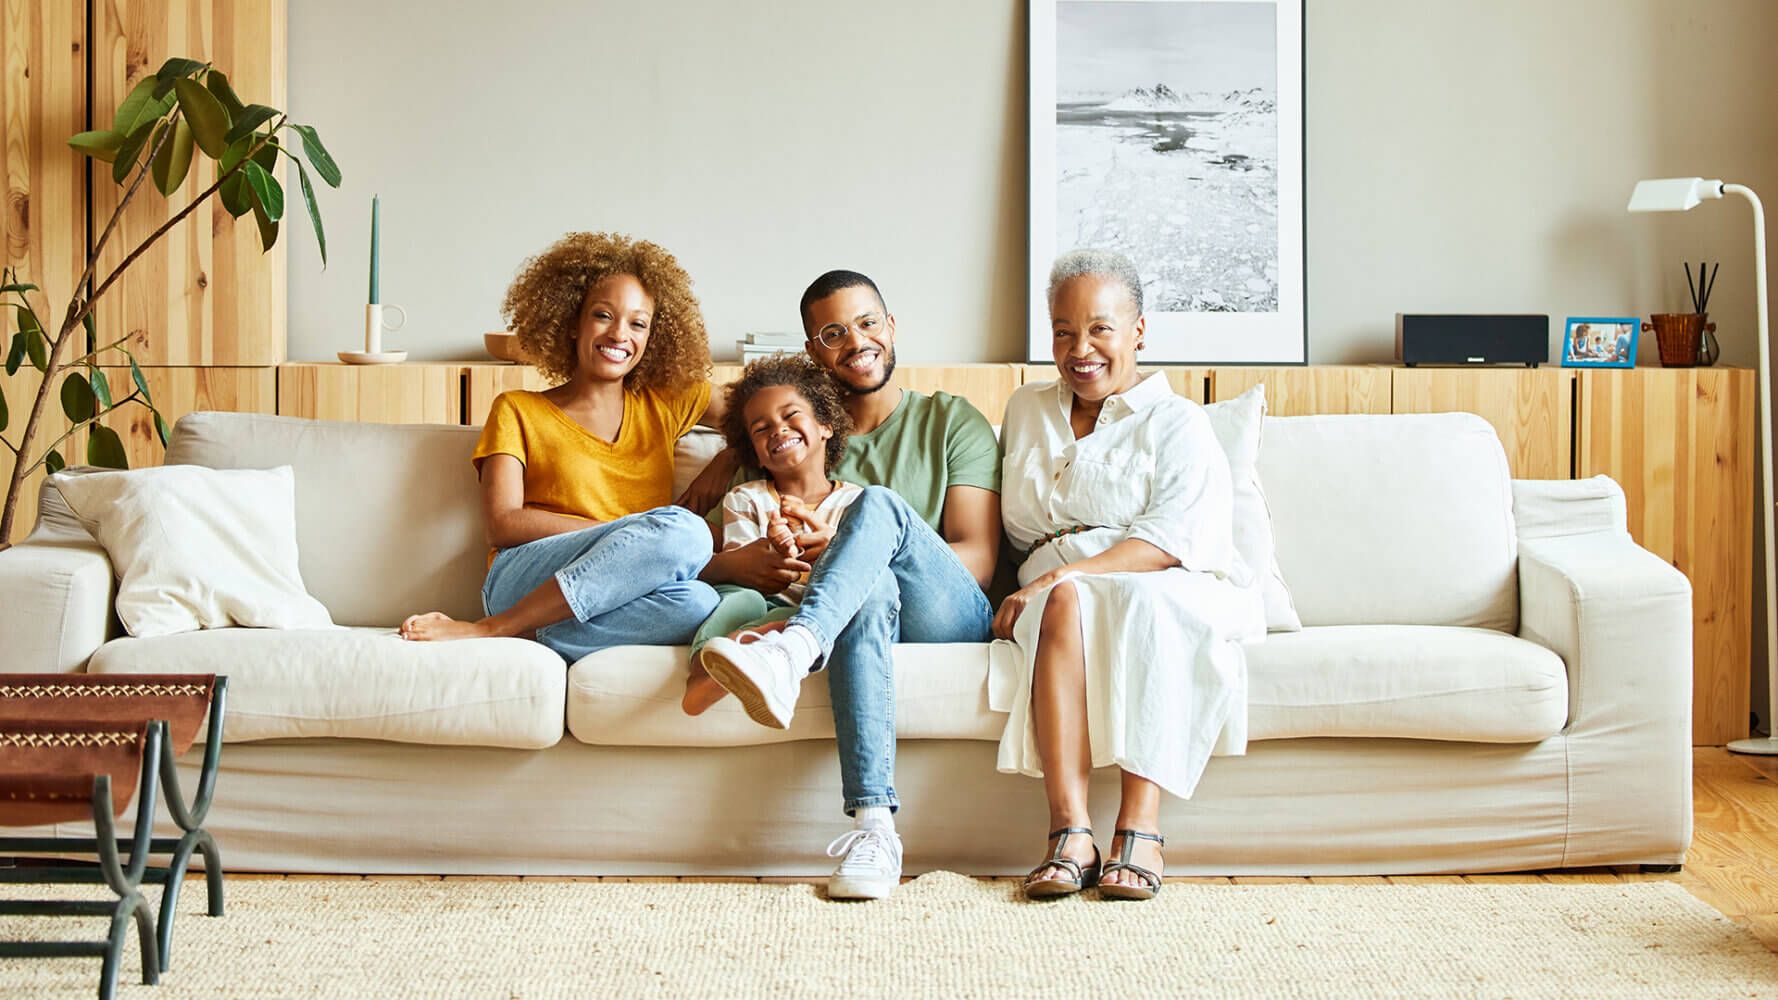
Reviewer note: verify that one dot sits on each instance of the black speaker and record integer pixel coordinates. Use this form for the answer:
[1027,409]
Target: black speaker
[1476,339]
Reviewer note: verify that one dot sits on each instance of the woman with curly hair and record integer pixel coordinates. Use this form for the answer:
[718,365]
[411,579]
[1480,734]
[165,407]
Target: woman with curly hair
[785,412]
[577,480]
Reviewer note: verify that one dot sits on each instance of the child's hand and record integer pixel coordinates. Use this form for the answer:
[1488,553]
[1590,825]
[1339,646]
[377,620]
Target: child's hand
[779,533]
[816,532]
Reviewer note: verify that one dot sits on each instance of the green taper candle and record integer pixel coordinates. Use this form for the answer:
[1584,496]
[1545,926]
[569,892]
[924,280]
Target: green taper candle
[375,212]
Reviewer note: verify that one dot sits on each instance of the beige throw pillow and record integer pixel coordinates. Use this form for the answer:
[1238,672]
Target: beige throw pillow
[1238,423]
[197,548]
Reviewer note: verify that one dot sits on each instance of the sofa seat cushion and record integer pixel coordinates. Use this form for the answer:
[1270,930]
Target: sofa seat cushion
[1419,682]
[1401,681]
[364,683]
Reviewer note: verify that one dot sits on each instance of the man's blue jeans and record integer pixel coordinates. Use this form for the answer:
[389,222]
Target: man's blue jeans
[886,577]
[632,581]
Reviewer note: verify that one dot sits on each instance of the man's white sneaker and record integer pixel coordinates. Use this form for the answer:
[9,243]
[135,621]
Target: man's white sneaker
[763,674]
[871,867]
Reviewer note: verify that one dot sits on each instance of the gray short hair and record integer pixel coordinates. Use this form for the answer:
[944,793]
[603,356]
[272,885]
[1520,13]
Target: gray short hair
[1099,263]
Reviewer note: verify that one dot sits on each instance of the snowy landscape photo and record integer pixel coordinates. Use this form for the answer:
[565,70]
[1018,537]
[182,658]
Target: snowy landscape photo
[1172,133]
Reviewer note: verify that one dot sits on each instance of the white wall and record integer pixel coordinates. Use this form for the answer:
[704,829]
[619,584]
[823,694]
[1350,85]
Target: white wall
[1461,156]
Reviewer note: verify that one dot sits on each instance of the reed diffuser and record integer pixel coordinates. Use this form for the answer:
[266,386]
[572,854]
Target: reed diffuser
[1687,340]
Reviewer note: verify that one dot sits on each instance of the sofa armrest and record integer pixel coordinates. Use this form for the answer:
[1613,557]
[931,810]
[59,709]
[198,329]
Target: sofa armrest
[1621,619]
[55,604]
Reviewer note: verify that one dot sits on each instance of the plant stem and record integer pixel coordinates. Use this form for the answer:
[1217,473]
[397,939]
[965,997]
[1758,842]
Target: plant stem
[132,397]
[75,362]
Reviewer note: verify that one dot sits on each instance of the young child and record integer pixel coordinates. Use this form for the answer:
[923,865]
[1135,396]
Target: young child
[785,412]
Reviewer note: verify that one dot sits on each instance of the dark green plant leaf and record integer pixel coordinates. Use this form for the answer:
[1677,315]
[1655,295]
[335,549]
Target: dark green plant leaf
[302,175]
[160,428]
[268,230]
[318,155]
[77,398]
[136,376]
[125,162]
[266,190]
[36,347]
[236,197]
[172,70]
[250,118]
[101,386]
[105,449]
[174,159]
[4,416]
[139,107]
[209,122]
[15,355]
[18,286]
[225,94]
[92,331]
[100,145]
[53,462]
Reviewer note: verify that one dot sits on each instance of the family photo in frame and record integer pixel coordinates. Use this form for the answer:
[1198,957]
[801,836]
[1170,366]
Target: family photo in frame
[1172,131]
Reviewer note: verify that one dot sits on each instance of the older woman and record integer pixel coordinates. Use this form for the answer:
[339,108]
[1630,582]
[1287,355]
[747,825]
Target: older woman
[1133,601]
[576,480]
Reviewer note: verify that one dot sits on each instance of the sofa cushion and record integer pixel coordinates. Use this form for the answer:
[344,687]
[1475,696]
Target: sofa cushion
[1238,424]
[1404,519]
[1415,682]
[1409,682]
[364,684]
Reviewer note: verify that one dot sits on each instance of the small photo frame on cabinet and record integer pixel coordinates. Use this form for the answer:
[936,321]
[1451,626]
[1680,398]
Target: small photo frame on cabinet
[1600,341]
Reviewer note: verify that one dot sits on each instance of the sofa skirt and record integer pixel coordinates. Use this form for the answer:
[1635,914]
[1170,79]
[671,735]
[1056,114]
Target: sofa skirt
[1289,807]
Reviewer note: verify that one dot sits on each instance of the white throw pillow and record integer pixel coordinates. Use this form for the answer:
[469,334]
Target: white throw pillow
[1237,423]
[198,548]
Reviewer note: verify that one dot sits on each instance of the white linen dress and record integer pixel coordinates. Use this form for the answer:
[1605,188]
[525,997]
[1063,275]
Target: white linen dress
[1166,676]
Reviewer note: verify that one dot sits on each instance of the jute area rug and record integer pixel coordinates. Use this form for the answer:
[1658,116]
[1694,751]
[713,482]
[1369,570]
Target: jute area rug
[942,935]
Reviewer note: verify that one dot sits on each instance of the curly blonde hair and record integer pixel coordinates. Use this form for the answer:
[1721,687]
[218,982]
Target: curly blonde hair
[543,307]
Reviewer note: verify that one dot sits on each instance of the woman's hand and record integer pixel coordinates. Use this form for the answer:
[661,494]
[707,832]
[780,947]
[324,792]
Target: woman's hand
[1014,605]
[815,533]
[756,565]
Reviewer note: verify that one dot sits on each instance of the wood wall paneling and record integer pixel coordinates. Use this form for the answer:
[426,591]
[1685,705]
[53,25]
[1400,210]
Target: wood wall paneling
[1192,383]
[179,391]
[987,386]
[1531,409]
[43,221]
[1680,443]
[485,381]
[381,394]
[205,294]
[1297,391]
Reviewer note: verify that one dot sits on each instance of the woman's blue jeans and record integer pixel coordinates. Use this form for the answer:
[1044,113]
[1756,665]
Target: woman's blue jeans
[886,577]
[632,581]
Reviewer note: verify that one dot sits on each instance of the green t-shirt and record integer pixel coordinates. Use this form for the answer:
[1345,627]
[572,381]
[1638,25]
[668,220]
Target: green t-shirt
[928,445]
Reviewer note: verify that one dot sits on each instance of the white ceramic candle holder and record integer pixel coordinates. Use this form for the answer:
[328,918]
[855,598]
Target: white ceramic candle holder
[375,322]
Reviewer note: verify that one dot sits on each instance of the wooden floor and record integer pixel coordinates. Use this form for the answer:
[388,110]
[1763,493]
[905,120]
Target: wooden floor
[1733,864]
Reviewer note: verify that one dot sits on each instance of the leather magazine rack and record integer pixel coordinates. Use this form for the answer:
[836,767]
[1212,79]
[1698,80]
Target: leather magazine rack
[79,747]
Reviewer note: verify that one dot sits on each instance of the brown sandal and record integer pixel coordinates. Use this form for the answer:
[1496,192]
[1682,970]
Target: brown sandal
[1083,876]
[1152,882]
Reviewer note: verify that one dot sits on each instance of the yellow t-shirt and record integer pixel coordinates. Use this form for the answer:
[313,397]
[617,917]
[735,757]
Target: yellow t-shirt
[569,470]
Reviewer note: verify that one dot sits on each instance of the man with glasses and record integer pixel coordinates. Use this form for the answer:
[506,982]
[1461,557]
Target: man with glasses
[909,563]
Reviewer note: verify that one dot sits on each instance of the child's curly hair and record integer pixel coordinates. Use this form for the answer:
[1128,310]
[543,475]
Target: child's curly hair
[809,380]
[543,307]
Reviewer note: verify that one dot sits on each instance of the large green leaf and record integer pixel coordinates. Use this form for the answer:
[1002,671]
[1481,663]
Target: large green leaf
[172,70]
[54,462]
[136,375]
[174,159]
[105,449]
[318,155]
[92,331]
[15,355]
[219,85]
[101,386]
[266,189]
[209,122]
[302,175]
[235,195]
[4,416]
[250,118]
[160,428]
[36,347]
[77,398]
[127,154]
[268,230]
[139,107]
[100,145]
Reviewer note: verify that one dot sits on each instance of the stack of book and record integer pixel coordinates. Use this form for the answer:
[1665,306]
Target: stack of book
[764,345]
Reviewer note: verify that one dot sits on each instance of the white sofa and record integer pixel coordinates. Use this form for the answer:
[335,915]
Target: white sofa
[1492,676]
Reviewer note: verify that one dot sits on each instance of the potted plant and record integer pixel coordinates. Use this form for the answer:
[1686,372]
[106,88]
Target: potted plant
[184,110]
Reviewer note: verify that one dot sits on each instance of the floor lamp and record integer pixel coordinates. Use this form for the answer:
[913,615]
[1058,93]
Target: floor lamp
[1679,194]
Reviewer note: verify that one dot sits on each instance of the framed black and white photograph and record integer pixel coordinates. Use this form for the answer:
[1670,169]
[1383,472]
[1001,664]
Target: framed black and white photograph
[1172,131]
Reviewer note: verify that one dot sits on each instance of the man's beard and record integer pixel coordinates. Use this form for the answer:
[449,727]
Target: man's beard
[888,373]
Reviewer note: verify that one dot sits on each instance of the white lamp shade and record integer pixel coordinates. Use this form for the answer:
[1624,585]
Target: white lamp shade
[1673,194]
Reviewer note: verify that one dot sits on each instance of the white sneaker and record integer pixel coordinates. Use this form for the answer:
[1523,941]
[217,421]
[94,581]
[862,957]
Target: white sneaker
[871,868]
[763,674]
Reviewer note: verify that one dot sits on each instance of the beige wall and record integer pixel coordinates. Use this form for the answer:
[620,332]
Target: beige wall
[1461,156]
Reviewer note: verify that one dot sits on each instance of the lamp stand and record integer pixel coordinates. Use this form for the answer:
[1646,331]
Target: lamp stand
[1767,745]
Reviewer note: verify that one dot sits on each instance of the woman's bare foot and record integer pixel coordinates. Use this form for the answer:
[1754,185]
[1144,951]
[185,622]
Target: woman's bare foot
[436,626]
[1144,854]
[701,691]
